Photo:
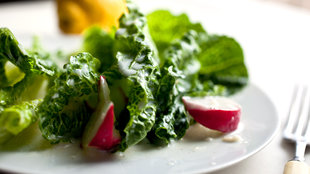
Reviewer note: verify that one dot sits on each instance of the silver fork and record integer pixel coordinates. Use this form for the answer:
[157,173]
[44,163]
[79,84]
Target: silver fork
[297,129]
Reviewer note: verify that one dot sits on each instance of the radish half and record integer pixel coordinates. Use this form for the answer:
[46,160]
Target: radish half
[100,131]
[217,113]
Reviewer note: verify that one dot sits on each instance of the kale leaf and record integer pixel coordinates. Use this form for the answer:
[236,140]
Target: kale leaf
[63,113]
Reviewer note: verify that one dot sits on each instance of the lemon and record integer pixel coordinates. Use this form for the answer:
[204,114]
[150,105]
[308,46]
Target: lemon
[76,15]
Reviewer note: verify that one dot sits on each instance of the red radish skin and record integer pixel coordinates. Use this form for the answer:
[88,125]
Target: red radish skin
[222,119]
[100,132]
[105,138]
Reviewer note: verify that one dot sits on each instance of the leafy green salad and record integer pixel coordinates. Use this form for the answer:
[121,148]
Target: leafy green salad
[150,62]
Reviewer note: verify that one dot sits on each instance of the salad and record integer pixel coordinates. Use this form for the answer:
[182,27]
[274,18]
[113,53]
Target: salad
[124,86]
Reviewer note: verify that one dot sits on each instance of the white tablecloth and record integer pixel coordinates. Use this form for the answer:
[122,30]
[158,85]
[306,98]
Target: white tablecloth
[275,38]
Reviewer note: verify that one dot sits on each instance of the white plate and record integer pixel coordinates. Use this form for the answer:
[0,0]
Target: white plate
[190,155]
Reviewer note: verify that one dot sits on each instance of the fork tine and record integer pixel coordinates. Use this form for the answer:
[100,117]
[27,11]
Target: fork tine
[303,112]
[293,111]
[307,129]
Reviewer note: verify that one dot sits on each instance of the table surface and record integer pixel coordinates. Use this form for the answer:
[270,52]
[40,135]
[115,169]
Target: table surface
[275,38]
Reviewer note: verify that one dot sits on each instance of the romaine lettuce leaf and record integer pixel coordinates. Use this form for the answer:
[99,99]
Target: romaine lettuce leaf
[16,118]
[18,99]
[3,78]
[12,74]
[178,76]
[222,62]
[165,27]
[30,88]
[221,59]
[28,62]
[219,69]
[63,112]
[27,90]
[35,78]
[34,63]
[4,98]
[99,43]
[136,67]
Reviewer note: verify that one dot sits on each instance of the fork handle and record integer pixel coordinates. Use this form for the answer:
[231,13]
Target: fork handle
[296,167]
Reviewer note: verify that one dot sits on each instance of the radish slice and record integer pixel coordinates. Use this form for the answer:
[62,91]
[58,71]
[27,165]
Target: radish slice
[100,131]
[218,113]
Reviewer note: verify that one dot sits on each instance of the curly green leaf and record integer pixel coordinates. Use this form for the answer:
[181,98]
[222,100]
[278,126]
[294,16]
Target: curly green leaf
[63,113]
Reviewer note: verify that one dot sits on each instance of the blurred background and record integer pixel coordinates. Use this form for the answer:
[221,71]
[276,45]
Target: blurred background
[297,3]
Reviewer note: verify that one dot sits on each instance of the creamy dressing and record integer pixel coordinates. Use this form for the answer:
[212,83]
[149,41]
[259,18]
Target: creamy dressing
[198,132]
[232,138]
